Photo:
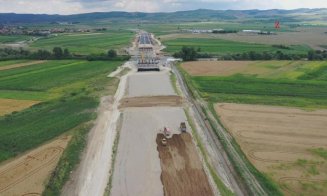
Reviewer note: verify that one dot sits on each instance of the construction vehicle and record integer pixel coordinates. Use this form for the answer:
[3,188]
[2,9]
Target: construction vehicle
[183,127]
[167,132]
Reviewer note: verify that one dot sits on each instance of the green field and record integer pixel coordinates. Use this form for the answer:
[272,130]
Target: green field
[6,63]
[86,43]
[69,90]
[13,38]
[287,83]
[219,46]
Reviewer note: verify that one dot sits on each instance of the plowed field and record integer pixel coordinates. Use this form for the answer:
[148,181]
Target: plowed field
[287,144]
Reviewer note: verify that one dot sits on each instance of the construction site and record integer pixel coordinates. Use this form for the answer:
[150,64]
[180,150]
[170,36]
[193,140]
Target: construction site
[159,157]
[147,58]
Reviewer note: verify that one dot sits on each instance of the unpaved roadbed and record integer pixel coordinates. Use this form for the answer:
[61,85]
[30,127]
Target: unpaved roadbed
[137,168]
[149,84]
[182,171]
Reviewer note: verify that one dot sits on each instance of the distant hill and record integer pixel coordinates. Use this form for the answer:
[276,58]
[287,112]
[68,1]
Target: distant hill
[194,15]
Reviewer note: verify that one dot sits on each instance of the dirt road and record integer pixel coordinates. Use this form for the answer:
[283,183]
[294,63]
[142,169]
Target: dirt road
[92,174]
[138,170]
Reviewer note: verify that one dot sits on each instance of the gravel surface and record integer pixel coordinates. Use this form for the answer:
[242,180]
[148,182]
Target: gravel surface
[149,84]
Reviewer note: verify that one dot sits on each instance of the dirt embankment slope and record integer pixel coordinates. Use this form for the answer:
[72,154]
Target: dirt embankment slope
[182,171]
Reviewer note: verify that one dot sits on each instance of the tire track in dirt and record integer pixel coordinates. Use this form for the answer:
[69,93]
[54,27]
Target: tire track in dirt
[27,173]
[251,153]
[29,166]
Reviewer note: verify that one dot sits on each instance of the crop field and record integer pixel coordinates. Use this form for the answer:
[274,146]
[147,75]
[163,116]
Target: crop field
[68,91]
[8,106]
[300,84]
[13,38]
[220,46]
[287,144]
[314,37]
[11,62]
[20,64]
[263,69]
[86,43]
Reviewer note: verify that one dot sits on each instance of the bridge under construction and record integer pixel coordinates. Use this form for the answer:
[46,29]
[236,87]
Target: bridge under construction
[147,60]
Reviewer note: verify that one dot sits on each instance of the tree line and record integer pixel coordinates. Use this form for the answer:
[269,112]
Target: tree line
[57,53]
[191,54]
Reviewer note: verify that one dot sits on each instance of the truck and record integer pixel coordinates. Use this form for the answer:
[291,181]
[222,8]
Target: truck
[183,127]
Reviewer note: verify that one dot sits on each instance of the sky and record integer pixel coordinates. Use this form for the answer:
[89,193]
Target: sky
[83,6]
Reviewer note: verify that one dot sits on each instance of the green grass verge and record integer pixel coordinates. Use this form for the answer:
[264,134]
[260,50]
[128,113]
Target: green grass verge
[173,81]
[68,160]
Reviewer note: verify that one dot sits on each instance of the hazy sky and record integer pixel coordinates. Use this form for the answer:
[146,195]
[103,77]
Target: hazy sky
[82,6]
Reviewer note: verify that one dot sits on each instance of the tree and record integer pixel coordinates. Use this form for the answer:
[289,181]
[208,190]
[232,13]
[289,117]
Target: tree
[187,54]
[57,52]
[66,53]
[42,55]
[112,53]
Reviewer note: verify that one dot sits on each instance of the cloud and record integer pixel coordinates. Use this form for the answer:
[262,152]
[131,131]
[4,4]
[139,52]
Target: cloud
[80,6]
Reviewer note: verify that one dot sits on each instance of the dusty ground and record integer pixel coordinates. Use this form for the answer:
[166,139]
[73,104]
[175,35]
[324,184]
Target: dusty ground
[155,101]
[137,169]
[278,140]
[8,106]
[13,66]
[149,84]
[182,171]
[28,173]
[215,68]
[313,37]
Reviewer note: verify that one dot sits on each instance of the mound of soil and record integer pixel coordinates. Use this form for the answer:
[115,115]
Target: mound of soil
[182,171]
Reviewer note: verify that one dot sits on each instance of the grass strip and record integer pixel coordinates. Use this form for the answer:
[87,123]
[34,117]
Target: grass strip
[224,191]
